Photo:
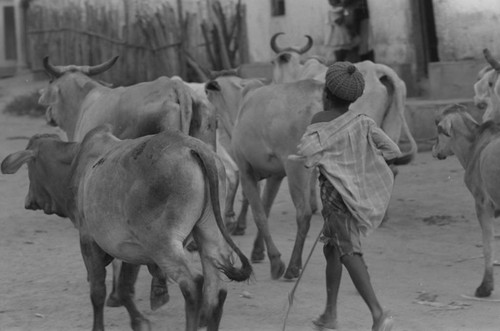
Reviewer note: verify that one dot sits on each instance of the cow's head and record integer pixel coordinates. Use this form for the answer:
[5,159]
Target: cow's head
[49,166]
[287,63]
[456,130]
[226,94]
[487,89]
[66,90]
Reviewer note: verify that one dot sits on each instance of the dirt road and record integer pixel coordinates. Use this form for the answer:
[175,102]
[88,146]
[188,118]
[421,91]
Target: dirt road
[421,262]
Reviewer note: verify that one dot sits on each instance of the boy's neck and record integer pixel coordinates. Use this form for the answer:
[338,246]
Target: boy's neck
[339,109]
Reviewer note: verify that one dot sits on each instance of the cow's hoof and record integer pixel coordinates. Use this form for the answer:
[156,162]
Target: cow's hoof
[203,322]
[158,298]
[277,269]
[113,301]
[484,291]
[141,324]
[257,256]
[238,231]
[292,273]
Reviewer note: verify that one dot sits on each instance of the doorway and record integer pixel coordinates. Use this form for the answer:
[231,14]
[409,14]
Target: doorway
[426,41]
[8,38]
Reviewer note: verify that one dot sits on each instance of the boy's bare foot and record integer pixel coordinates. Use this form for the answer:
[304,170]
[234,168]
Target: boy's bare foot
[384,323]
[325,323]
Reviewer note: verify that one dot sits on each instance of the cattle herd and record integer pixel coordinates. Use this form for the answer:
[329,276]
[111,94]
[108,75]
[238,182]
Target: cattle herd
[148,170]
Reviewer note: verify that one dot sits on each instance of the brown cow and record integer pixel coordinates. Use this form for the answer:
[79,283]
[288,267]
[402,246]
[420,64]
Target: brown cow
[77,103]
[127,198]
[265,123]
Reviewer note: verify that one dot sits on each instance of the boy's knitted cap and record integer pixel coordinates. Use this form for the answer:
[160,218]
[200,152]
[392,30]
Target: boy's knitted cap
[345,81]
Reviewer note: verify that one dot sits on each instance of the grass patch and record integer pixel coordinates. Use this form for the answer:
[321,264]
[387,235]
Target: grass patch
[25,105]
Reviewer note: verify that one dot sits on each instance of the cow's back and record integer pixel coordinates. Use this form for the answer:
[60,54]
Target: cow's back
[276,117]
[133,111]
[141,188]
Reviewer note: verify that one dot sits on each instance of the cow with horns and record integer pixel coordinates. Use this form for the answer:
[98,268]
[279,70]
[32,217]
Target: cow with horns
[127,198]
[383,99]
[77,104]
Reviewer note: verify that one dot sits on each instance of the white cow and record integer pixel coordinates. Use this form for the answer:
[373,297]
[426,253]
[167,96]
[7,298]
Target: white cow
[477,147]
[383,99]
[487,89]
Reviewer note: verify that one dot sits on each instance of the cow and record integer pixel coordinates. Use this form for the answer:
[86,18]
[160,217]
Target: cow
[266,123]
[222,146]
[146,217]
[487,89]
[477,147]
[77,103]
[383,98]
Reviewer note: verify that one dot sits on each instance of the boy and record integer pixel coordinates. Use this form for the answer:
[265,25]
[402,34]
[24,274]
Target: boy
[350,151]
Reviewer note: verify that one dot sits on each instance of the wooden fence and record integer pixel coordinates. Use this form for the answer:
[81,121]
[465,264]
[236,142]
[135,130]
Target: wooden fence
[150,43]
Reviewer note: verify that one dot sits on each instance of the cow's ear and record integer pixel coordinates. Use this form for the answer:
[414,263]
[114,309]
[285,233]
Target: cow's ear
[444,127]
[48,95]
[12,163]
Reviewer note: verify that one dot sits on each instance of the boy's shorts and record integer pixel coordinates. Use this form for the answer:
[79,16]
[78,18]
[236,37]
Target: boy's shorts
[340,228]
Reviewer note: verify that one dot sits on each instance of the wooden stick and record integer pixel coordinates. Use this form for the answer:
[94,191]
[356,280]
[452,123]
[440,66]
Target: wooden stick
[292,293]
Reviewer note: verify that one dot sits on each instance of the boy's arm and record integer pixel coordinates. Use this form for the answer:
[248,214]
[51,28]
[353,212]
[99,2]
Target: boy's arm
[389,148]
[309,150]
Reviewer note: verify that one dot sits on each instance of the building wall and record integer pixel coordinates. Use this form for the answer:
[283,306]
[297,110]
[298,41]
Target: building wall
[465,27]
[391,23]
[301,18]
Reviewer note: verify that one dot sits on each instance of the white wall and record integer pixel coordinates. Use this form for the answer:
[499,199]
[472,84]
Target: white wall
[391,23]
[465,27]
[301,18]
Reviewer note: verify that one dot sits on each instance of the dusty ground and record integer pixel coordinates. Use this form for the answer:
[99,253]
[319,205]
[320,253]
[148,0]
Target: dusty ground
[421,262]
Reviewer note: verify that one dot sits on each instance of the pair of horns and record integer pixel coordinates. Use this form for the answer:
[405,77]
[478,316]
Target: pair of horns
[58,71]
[493,63]
[302,50]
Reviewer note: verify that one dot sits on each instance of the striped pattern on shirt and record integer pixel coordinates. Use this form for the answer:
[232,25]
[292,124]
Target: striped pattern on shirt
[350,152]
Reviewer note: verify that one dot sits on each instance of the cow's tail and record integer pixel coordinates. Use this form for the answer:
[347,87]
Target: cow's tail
[208,164]
[398,104]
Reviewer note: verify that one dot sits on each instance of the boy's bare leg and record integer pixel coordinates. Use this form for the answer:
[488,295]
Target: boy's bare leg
[358,271]
[333,276]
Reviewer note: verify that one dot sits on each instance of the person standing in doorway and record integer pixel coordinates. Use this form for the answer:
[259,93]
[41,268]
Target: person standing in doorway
[338,40]
[359,27]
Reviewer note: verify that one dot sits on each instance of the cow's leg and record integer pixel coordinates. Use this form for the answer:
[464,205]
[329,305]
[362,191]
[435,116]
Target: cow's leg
[298,181]
[174,262]
[159,289]
[241,223]
[95,260]
[233,181]
[212,250]
[114,299]
[485,215]
[313,193]
[270,191]
[126,283]
[251,189]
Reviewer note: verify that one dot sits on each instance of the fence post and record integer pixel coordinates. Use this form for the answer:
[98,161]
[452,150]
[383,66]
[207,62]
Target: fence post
[182,45]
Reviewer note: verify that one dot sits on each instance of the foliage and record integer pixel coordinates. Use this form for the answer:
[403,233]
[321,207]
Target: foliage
[25,105]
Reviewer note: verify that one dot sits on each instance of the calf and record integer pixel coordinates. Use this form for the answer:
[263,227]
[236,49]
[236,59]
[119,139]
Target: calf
[138,200]
[477,147]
